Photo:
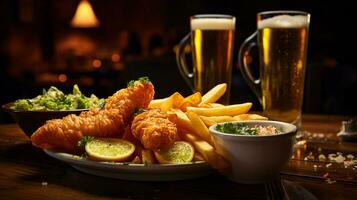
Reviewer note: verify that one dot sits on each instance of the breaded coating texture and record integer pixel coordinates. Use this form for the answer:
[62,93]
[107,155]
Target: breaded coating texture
[154,129]
[109,121]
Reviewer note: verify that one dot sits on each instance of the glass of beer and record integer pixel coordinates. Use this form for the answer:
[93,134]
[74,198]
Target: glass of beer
[282,38]
[212,42]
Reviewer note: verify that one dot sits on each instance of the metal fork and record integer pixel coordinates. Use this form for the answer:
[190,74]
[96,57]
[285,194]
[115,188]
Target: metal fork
[275,190]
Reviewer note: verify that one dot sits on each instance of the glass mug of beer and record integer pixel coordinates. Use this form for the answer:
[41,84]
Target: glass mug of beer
[282,38]
[212,43]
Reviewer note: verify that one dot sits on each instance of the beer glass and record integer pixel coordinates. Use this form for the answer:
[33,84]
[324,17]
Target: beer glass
[282,38]
[211,39]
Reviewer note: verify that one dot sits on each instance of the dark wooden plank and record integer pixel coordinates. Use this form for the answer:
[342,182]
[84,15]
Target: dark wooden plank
[324,190]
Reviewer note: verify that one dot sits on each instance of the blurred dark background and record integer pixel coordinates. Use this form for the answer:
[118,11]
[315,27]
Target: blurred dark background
[41,46]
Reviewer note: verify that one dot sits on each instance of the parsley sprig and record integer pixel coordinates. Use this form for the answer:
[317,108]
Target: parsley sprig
[138,111]
[84,140]
[239,129]
[143,79]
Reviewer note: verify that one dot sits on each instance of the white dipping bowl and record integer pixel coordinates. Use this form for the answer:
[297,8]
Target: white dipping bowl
[255,159]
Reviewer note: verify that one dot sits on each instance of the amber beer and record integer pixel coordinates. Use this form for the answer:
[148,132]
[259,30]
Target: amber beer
[212,44]
[282,44]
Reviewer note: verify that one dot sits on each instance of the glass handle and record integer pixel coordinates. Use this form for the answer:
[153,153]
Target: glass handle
[181,61]
[244,58]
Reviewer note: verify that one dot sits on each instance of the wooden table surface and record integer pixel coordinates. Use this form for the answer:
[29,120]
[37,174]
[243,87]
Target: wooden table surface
[28,173]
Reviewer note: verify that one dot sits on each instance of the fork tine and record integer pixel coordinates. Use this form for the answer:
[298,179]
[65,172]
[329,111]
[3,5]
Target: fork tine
[267,191]
[275,190]
[278,189]
[283,190]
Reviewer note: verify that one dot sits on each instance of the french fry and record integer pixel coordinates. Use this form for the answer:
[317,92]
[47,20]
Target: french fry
[182,120]
[205,105]
[198,157]
[231,110]
[178,99]
[209,121]
[199,128]
[156,103]
[211,105]
[242,117]
[214,105]
[192,100]
[204,148]
[207,151]
[147,156]
[173,101]
[214,94]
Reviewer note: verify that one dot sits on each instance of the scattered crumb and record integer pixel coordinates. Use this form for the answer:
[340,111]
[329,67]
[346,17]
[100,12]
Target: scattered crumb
[319,149]
[340,159]
[44,183]
[326,175]
[331,155]
[315,168]
[309,157]
[322,157]
[349,163]
[328,165]
[350,156]
[329,181]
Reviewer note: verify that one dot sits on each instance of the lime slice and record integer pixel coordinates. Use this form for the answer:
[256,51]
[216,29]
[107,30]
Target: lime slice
[179,152]
[109,149]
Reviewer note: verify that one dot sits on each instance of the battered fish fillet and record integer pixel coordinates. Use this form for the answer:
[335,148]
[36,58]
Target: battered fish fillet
[110,121]
[154,129]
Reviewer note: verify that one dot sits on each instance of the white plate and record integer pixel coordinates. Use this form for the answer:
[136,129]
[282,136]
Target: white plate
[137,172]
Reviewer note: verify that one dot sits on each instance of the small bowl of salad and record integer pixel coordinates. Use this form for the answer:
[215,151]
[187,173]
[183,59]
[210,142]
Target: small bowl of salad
[30,114]
[257,150]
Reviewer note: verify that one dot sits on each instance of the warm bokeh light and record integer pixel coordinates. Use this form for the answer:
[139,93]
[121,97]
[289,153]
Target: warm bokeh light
[84,17]
[115,57]
[62,78]
[97,63]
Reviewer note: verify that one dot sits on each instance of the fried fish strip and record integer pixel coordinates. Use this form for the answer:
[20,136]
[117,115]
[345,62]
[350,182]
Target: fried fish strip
[110,121]
[154,129]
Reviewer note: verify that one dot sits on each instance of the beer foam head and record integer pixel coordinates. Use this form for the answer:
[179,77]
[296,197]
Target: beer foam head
[213,24]
[284,21]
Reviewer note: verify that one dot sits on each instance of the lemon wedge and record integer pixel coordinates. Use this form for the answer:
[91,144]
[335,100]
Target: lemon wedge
[109,149]
[179,152]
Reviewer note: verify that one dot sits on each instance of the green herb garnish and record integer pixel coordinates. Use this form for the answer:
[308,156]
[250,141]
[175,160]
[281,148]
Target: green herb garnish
[138,111]
[143,79]
[239,129]
[130,83]
[85,140]
[55,99]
